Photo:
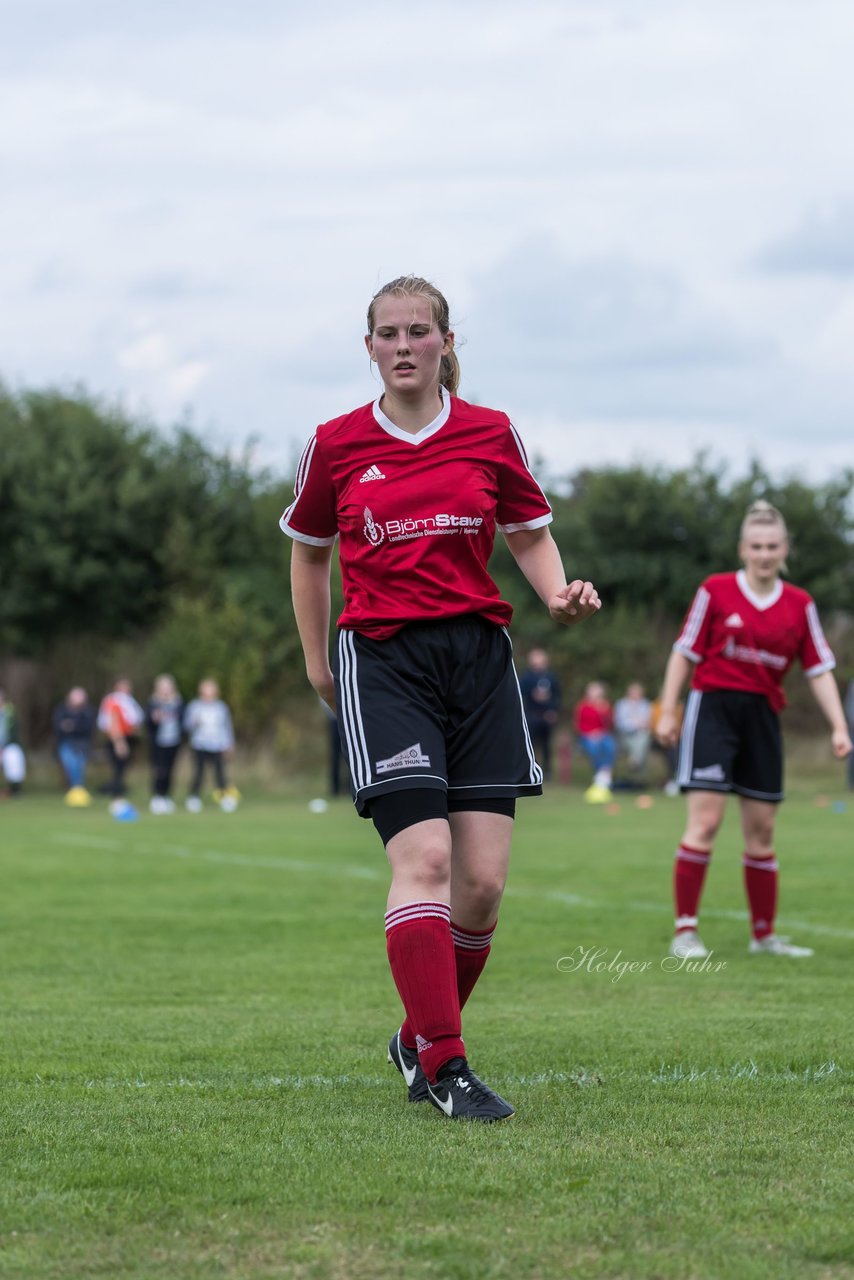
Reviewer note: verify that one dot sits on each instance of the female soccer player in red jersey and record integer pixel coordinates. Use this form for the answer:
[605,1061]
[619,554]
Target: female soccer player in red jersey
[414,485]
[739,638]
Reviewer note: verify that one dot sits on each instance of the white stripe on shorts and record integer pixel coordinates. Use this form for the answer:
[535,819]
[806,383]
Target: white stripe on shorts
[686,745]
[535,773]
[350,711]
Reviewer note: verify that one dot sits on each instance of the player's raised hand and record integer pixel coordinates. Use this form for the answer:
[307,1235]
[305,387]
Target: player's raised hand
[574,602]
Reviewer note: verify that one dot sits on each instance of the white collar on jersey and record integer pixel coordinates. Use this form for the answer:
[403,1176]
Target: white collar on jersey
[416,437]
[759,602]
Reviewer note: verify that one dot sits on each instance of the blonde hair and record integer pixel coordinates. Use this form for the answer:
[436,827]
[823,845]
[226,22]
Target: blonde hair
[761,512]
[416,287]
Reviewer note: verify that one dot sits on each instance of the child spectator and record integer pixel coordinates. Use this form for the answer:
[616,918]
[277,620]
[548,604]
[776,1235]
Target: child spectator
[120,717]
[207,721]
[594,723]
[164,722]
[73,724]
[632,715]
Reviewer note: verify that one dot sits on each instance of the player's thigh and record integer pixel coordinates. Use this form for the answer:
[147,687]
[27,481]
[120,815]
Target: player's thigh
[481,847]
[420,860]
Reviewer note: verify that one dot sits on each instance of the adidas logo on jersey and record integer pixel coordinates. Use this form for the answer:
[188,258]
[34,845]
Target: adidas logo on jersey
[372,473]
[734,620]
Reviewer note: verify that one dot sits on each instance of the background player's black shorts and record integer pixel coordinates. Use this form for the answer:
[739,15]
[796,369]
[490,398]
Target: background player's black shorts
[436,705]
[731,741]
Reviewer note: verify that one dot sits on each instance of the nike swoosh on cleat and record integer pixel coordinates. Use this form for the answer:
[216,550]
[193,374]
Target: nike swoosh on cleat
[408,1073]
[447,1106]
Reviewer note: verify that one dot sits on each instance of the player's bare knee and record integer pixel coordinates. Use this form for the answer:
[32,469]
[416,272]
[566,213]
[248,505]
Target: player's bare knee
[759,839]
[431,869]
[481,900]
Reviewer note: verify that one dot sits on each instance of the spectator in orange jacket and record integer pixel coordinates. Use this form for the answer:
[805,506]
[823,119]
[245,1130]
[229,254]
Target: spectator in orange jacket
[120,717]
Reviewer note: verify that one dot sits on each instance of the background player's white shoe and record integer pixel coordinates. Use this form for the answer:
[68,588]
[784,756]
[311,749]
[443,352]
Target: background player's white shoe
[774,945]
[688,945]
[193,804]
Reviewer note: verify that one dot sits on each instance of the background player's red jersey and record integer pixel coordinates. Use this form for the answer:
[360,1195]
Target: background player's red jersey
[743,641]
[407,555]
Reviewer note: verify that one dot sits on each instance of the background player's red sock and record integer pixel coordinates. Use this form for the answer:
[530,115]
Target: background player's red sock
[423,965]
[471,950]
[689,874]
[760,883]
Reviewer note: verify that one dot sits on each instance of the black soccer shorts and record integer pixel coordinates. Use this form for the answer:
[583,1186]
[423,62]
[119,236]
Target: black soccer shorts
[436,705]
[731,741]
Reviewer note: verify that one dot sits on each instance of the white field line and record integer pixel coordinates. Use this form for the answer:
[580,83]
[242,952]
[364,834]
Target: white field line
[358,872]
[580,1078]
[217,855]
[658,908]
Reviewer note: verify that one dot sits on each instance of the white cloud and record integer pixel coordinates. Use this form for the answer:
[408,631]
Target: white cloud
[605,336]
[162,380]
[822,243]
[200,199]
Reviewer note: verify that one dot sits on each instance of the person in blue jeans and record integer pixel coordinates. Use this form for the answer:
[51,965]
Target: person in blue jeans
[73,726]
[594,725]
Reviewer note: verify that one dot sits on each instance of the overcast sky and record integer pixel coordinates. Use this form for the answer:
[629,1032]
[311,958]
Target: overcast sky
[641,212]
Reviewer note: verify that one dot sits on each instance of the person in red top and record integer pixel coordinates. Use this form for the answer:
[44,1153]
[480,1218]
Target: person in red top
[414,487]
[594,724]
[740,636]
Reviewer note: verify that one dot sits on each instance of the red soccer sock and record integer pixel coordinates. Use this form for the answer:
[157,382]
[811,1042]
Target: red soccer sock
[471,951]
[760,883]
[423,965]
[689,874]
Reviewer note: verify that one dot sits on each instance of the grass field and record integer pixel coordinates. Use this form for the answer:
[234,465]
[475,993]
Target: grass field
[194,1019]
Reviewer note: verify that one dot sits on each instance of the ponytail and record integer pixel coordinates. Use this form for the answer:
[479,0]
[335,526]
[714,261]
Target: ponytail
[450,373]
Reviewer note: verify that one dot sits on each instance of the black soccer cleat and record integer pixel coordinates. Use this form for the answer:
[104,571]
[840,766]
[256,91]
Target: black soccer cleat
[459,1095]
[406,1061]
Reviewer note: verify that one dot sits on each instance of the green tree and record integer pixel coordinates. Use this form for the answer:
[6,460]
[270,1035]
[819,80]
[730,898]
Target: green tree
[101,521]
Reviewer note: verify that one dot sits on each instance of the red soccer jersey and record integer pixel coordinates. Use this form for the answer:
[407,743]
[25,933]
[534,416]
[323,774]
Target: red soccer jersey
[416,513]
[743,641]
